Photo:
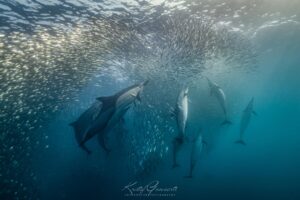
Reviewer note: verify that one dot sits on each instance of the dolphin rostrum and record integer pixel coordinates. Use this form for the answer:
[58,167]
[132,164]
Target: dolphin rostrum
[181,114]
[103,115]
[218,93]
[246,117]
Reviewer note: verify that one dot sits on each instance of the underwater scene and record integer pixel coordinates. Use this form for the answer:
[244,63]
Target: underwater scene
[149,99]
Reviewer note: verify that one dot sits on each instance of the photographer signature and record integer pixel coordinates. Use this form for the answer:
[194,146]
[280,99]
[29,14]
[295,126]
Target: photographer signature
[150,189]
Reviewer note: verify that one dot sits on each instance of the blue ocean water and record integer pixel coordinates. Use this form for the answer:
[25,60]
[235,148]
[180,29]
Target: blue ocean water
[57,57]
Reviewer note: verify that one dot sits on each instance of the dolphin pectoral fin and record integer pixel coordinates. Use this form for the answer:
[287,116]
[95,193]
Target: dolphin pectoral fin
[240,142]
[133,95]
[254,113]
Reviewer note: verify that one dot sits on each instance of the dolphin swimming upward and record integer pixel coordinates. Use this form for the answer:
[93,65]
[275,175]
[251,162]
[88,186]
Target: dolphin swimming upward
[181,114]
[246,117]
[123,100]
[103,115]
[217,91]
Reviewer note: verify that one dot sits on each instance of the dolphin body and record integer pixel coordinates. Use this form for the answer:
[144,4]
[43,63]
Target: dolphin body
[197,147]
[181,114]
[219,94]
[246,117]
[103,115]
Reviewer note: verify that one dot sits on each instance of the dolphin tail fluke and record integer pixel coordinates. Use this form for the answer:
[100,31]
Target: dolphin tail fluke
[101,141]
[240,142]
[226,122]
[89,152]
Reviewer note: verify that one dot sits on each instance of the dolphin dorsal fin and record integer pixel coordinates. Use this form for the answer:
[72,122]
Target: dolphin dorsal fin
[107,101]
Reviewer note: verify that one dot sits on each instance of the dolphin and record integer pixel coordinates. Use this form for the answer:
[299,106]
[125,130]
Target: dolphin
[197,146]
[219,94]
[123,100]
[246,117]
[181,114]
[103,115]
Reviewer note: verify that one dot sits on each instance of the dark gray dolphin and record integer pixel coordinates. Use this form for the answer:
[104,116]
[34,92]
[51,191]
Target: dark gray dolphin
[103,115]
[219,94]
[246,117]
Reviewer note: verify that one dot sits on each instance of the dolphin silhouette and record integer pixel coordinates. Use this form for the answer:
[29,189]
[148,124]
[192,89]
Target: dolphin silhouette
[246,117]
[219,94]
